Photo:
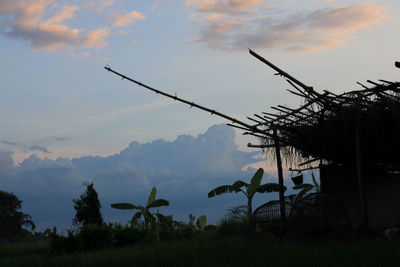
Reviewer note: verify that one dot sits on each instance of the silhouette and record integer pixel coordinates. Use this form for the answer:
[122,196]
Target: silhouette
[144,211]
[12,220]
[88,207]
[249,190]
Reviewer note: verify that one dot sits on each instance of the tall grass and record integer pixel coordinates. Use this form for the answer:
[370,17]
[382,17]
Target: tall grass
[212,251]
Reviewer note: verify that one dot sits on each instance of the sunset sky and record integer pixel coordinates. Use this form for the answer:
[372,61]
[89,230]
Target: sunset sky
[57,100]
[65,120]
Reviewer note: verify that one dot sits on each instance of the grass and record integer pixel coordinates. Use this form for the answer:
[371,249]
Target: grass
[213,252]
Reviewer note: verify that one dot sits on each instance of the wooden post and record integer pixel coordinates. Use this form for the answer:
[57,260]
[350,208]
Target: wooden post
[360,178]
[280,179]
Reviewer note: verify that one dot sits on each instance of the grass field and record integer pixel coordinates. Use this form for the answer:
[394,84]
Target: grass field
[212,252]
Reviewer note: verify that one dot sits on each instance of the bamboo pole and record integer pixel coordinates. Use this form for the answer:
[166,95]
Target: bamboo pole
[360,177]
[281,183]
[245,126]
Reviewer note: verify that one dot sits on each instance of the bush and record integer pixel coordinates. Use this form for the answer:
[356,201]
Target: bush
[63,244]
[127,235]
[93,236]
[232,227]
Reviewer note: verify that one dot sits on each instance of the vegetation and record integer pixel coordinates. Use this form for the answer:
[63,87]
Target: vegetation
[306,188]
[12,220]
[213,251]
[248,189]
[144,211]
[88,207]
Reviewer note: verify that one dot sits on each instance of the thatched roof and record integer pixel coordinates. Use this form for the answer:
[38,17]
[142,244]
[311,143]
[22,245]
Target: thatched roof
[326,126]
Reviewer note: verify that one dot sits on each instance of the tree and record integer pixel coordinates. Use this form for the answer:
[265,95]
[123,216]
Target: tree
[144,211]
[249,190]
[88,207]
[12,220]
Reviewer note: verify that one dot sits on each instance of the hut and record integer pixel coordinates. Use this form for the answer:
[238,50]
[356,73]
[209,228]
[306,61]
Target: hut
[353,138]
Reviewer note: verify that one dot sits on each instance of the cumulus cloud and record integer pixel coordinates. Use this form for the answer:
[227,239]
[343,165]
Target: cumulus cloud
[126,19]
[184,170]
[306,31]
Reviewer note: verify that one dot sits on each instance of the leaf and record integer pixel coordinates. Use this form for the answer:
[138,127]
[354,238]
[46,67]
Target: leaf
[125,206]
[235,187]
[201,222]
[316,185]
[223,189]
[136,217]
[158,203]
[152,196]
[255,182]
[303,186]
[268,188]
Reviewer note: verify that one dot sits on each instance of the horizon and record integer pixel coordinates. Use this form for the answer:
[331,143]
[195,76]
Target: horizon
[59,107]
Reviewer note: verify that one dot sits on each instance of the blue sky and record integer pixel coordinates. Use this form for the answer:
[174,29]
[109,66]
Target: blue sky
[58,101]
[56,94]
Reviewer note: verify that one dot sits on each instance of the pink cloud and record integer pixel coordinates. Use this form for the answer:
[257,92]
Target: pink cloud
[95,38]
[66,12]
[123,20]
[224,6]
[308,31]
[26,21]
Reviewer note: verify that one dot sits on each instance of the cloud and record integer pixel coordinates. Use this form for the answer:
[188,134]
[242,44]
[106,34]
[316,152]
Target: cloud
[306,31]
[66,12]
[123,20]
[10,143]
[95,38]
[224,6]
[43,24]
[40,148]
[183,170]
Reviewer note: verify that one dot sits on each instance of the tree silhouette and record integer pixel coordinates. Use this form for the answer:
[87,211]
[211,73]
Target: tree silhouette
[88,207]
[12,219]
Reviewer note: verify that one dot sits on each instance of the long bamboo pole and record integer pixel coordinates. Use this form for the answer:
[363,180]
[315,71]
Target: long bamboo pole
[281,183]
[244,125]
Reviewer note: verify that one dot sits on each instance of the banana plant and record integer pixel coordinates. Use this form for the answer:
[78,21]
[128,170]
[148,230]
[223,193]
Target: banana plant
[144,211]
[248,189]
[306,188]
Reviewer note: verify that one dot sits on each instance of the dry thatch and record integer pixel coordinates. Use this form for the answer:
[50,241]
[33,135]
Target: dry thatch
[330,127]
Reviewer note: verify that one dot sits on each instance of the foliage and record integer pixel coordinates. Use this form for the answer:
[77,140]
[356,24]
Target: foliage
[12,220]
[227,251]
[237,213]
[88,207]
[143,211]
[229,227]
[306,188]
[248,189]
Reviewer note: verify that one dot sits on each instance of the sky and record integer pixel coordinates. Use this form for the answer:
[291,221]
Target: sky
[58,103]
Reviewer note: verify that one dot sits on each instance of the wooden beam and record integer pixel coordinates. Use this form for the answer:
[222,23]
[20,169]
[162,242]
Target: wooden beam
[281,183]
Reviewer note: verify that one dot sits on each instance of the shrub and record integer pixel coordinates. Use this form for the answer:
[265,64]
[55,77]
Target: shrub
[63,244]
[93,236]
[126,235]
[232,227]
